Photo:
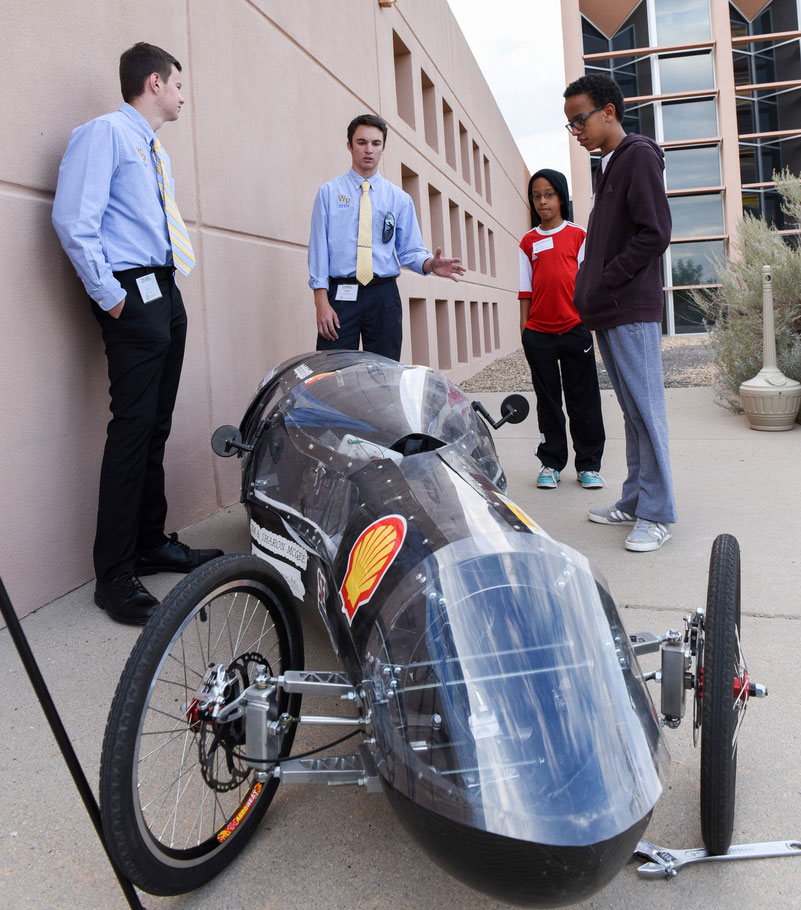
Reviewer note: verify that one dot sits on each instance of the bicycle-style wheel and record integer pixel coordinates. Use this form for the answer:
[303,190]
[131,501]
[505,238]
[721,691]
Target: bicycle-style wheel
[722,693]
[177,800]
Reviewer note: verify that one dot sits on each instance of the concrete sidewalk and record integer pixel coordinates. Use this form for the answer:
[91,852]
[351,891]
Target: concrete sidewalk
[339,848]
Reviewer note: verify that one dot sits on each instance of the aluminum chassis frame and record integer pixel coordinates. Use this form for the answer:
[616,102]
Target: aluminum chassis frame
[359,767]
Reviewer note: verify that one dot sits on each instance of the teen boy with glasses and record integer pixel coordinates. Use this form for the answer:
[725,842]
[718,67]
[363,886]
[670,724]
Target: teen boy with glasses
[619,295]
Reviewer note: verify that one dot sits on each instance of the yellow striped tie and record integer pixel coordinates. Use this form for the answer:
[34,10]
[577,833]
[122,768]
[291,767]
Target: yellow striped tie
[364,248]
[183,256]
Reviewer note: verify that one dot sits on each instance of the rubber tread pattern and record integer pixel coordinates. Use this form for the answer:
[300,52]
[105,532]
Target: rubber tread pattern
[181,870]
[718,718]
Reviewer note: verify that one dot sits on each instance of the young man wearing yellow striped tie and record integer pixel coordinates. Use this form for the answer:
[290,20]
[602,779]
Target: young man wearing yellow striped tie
[363,230]
[117,219]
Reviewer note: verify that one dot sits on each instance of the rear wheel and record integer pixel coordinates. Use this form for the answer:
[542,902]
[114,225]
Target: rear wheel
[722,693]
[177,800]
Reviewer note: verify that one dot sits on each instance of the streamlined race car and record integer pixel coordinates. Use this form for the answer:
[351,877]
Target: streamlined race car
[499,700]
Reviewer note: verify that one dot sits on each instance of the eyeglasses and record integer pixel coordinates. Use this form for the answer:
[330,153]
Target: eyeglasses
[535,197]
[578,123]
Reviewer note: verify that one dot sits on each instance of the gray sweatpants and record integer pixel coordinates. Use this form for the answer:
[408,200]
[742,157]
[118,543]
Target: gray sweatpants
[633,359]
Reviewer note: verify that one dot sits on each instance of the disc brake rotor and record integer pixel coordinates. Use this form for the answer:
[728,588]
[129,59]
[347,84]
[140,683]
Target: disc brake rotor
[218,742]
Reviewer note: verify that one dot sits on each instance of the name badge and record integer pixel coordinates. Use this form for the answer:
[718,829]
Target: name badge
[347,292]
[545,244]
[148,288]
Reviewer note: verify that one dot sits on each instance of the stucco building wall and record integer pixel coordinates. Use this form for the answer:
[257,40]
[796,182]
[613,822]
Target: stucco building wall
[270,87]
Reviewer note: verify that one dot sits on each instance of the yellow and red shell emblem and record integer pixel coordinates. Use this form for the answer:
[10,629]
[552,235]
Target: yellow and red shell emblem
[369,559]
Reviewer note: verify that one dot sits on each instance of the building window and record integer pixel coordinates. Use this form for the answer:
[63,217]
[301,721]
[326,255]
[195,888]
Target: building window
[482,249]
[435,212]
[429,110]
[760,158]
[695,262]
[470,241]
[491,245]
[640,118]
[456,229]
[686,72]
[487,183]
[477,167]
[404,89]
[443,334]
[687,168]
[475,328]
[765,202]
[688,318]
[697,216]
[464,146]
[418,324]
[633,74]
[677,20]
[485,314]
[410,183]
[460,318]
[689,119]
[449,130]
[778,16]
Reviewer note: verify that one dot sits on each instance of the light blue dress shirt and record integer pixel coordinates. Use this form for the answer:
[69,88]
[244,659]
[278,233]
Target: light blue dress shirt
[108,211]
[335,229]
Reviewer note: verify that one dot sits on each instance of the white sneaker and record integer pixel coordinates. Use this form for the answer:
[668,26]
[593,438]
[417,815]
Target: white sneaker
[647,535]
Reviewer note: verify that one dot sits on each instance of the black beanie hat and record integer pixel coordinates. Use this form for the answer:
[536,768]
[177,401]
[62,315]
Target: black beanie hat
[559,182]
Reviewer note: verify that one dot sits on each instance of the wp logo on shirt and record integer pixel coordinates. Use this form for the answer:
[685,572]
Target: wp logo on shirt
[344,200]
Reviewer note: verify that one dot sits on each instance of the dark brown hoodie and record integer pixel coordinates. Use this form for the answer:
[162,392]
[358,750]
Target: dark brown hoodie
[620,281]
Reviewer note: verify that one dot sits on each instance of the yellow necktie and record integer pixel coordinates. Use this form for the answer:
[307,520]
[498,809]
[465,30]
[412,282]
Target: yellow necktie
[364,249]
[183,256]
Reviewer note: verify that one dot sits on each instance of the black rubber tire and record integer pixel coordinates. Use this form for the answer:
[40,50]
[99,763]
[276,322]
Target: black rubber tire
[164,824]
[718,714]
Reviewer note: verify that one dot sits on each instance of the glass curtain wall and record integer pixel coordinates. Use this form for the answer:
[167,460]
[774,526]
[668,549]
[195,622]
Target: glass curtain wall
[668,80]
[767,75]
[671,97]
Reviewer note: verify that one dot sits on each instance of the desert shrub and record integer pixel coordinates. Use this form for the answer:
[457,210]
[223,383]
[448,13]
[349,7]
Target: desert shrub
[733,312]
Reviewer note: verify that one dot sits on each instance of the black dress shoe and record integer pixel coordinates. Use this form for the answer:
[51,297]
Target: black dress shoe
[172,556]
[126,599]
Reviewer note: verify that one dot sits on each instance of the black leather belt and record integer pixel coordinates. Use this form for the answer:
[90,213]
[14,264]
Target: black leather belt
[372,283]
[162,272]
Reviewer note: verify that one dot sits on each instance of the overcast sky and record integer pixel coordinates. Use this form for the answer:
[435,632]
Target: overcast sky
[518,45]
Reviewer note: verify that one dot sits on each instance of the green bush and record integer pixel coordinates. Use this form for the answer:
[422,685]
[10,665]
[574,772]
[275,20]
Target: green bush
[733,312]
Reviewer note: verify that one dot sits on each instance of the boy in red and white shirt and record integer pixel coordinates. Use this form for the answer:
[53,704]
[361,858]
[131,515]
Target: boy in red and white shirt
[558,347]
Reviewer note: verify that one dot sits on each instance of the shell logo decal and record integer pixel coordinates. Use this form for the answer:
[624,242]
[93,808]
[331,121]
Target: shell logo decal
[370,558]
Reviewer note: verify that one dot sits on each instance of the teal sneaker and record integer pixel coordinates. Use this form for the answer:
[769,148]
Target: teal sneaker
[590,480]
[548,479]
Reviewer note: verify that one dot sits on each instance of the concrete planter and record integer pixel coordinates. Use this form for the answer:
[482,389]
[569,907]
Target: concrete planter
[770,400]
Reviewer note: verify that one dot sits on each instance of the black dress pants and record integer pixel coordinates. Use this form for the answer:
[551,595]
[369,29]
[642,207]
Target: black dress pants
[145,351]
[375,317]
[566,362]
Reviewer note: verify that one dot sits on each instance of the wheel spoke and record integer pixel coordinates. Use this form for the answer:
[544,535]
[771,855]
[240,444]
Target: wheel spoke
[170,778]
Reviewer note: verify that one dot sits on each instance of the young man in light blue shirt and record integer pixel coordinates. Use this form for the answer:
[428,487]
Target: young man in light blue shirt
[349,310]
[114,193]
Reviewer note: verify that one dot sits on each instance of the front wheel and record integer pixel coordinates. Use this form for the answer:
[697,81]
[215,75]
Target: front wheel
[177,800]
[722,694]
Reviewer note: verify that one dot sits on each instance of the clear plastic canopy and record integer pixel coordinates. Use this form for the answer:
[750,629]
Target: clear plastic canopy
[499,699]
